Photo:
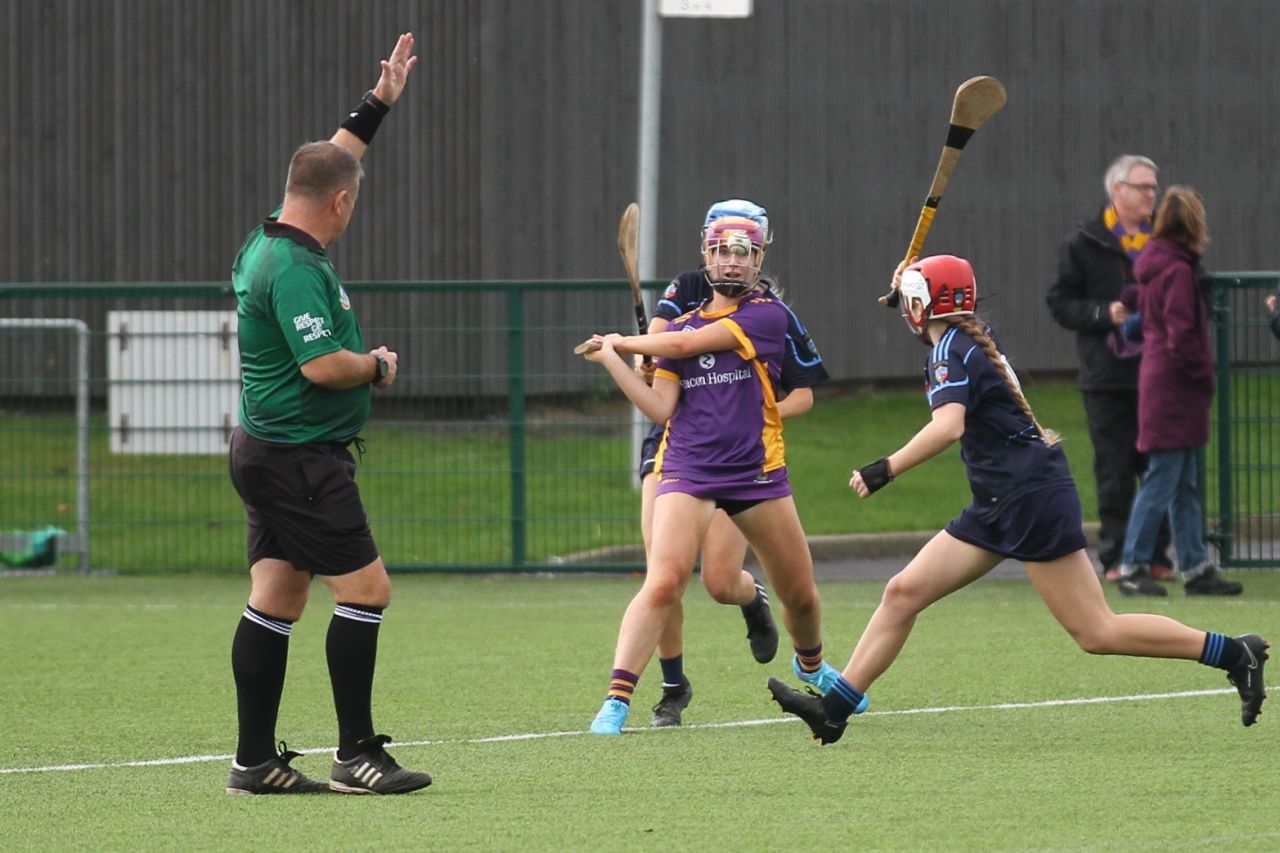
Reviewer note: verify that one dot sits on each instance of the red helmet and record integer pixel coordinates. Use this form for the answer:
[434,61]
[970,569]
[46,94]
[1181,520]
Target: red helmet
[937,286]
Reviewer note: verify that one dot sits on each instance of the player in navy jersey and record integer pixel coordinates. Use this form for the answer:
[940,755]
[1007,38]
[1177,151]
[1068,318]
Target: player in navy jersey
[714,388]
[1025,508]
[724,548]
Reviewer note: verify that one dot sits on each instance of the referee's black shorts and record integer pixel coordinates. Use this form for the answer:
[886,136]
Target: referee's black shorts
[302,504]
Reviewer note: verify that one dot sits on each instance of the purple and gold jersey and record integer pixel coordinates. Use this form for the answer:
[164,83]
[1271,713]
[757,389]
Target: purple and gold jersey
[802,367]
[725,429]
[1002,451]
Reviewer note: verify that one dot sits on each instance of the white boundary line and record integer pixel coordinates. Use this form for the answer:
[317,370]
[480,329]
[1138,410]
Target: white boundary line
[944,709]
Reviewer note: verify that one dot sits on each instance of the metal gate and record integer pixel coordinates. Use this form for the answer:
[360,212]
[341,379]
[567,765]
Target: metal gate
[1242,471]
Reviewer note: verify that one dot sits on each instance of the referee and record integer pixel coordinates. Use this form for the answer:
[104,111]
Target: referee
[307,379]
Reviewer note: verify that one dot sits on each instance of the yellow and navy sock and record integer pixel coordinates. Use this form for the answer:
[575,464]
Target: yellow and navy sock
[810,659]
[621,685]
[1221,651]
[672,671]
[841,700]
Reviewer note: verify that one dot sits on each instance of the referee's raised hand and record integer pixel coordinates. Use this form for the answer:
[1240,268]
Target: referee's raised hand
[395,71]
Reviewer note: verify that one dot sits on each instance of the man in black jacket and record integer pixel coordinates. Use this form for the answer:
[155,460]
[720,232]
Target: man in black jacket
[1094,265]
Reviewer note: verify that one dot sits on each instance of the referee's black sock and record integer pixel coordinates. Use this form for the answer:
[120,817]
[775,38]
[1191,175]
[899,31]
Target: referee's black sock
[352,649]
[259,653]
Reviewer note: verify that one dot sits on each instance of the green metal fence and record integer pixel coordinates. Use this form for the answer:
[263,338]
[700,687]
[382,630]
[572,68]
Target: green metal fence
[495,450]
[1242,480]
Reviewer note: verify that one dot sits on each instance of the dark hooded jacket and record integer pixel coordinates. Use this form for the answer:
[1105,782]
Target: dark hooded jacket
[1092,270]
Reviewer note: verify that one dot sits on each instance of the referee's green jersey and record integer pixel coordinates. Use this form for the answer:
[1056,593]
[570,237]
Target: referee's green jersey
[292,308]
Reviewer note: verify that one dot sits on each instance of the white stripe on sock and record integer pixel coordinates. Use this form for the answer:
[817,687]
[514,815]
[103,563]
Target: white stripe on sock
[281,628]
[357,615]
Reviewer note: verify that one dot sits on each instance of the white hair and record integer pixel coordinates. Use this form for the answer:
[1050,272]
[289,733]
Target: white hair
[1120,169]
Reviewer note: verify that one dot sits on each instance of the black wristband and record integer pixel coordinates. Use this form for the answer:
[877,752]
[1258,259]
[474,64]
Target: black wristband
[376,102]
[876,475]
[363,121]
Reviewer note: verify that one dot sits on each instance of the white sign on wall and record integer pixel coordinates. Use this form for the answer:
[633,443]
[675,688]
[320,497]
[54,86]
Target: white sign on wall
[173,380]
[704,8]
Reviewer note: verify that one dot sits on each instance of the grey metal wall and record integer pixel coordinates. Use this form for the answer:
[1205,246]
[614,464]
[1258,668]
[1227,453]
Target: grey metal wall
[141,139]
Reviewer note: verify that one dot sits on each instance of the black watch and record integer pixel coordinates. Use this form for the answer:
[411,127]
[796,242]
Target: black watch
[380,368]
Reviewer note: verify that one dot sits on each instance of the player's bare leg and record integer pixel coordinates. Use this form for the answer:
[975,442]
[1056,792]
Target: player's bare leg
[942,566]
[1070,587]
[679,523]
[774,531]
[724,551]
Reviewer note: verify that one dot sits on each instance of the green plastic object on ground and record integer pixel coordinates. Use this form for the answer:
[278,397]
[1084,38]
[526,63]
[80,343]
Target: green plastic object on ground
[41,550]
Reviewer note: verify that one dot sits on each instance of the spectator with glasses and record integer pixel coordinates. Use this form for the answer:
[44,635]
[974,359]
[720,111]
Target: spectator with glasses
[1095,264]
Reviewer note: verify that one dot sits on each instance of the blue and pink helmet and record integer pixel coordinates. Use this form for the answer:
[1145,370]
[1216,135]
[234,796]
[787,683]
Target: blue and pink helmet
[738,228]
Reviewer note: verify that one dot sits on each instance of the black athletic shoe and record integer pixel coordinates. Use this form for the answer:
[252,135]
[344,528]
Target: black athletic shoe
[808,707]
[1209,581]
[374,772]
[762,633]
[273,776]
[1247,677]
[674,700]
[1140,583]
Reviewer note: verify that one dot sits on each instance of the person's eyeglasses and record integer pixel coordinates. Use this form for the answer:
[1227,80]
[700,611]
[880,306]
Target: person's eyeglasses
[1143,188]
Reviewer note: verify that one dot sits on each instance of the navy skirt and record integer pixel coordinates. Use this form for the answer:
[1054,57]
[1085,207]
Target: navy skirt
[1031,527]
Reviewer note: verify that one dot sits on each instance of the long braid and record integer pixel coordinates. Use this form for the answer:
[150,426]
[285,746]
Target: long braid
[974,329]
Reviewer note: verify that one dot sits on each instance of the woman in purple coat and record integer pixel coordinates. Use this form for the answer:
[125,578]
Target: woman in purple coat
[1175,389]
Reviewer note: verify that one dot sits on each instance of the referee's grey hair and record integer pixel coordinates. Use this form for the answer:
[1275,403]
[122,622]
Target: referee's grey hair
[1119,170]
[320,169]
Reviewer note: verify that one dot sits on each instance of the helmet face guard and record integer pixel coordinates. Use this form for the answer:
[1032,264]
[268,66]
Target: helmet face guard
[938,286]
[733,254]
[735,235]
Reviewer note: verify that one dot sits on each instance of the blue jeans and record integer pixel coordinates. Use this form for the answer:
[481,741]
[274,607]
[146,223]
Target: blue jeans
[1169,486]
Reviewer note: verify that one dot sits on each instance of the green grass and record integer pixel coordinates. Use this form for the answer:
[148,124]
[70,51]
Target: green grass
[110,670]
[439,492]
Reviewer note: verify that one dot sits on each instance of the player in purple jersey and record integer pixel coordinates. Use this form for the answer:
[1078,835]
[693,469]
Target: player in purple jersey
[724,548]
[714,388]
[1025,508]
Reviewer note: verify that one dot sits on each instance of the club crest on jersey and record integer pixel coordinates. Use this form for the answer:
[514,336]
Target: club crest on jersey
[707,360]
[940,372]
[343,299]
[672,289]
